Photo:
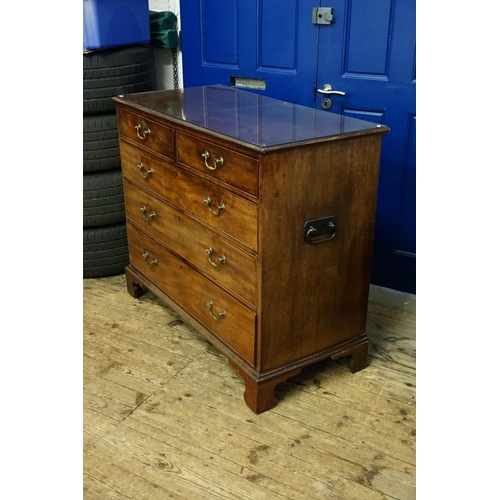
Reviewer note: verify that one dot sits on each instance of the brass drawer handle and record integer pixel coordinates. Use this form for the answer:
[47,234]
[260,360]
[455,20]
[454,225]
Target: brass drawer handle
[220,315]
[152,263]
[220,208]
[150,217]
[218,162]
[148,174]
[146,131]
[220,260]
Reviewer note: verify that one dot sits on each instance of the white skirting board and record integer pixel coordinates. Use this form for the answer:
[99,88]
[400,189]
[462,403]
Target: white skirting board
[405,301]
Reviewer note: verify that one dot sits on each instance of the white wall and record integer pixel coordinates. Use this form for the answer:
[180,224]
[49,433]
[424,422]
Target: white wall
[163,57]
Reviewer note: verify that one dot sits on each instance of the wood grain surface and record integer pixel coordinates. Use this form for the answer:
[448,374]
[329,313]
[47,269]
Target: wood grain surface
[164,415]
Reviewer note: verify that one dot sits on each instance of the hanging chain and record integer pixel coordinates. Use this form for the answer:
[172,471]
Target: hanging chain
[175,68]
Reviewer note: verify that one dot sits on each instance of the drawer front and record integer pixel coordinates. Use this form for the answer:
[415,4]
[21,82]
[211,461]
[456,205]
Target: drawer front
[220,163]
[236,217]
[147,133]
[209,252]
[224,316]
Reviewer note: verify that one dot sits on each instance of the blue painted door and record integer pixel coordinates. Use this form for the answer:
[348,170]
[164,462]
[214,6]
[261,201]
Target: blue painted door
[267,41]
[368,52]
[373,63]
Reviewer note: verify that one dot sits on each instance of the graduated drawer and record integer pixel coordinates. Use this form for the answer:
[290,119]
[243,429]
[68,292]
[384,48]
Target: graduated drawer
[237,218]
[206,250]
[147,133]
[220,163]
[211,306]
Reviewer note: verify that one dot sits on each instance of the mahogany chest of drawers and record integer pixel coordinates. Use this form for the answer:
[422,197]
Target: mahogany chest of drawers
[253,219]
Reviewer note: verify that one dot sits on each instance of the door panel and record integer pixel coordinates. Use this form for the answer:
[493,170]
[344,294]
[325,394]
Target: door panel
[366,41]
[225,51]
[278,52]
[407,237]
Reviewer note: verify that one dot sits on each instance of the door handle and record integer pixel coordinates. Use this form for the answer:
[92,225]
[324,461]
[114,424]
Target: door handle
[327,89]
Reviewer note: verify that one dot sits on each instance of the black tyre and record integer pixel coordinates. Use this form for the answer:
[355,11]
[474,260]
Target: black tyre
[103,202]
[107,73]
[105,251]
[101,149]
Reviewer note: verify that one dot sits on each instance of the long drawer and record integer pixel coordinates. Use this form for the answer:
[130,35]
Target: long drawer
[210,305]
[213,255]
[228,166]
[223,210]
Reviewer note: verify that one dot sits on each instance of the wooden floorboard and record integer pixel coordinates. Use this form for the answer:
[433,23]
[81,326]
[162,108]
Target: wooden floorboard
[164,415]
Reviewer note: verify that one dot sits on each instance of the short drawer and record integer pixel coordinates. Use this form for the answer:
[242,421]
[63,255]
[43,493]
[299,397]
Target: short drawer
[215,309]
[209,252]
[223,210]
[220,163]
[147,133]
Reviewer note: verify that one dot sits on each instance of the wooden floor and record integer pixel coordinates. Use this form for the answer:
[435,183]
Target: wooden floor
[164,415]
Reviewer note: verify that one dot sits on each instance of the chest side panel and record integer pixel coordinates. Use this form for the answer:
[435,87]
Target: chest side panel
[314,296]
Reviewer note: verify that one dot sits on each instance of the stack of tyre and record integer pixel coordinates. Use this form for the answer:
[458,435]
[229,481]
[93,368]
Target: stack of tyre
[107,73]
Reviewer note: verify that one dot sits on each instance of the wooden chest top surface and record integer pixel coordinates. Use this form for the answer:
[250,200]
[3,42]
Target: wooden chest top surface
[262,123]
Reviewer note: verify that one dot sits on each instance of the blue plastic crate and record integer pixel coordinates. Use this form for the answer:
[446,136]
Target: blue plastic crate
[113,23]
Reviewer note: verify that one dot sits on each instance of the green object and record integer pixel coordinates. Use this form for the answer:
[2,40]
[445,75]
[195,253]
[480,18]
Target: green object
[163,28]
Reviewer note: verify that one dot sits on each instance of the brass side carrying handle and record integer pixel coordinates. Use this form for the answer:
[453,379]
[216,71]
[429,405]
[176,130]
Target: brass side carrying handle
[148,173]
[146,131]
[150,217]
[220,207]
[220,315]
[220,260]
[218,162]
[151,263]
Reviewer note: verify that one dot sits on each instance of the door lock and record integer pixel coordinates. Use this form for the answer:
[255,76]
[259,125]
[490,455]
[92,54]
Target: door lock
[322,15]
[326,103]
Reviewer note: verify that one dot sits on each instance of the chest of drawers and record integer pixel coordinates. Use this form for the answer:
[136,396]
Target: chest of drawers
[253,219]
